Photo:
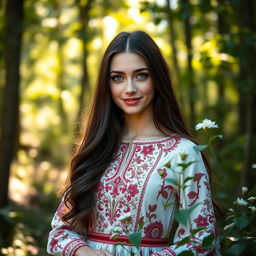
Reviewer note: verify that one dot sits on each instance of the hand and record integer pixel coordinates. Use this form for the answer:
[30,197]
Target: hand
[87,251]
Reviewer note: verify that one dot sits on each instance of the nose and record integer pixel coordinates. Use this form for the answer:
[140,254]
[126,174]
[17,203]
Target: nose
[130,87]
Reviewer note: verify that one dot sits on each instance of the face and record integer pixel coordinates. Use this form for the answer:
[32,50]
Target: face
[131,84]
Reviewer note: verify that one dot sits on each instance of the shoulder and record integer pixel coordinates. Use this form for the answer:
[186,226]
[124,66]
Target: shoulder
[184,146]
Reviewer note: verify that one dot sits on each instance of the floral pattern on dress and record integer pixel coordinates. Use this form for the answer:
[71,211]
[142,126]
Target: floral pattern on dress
[136,182]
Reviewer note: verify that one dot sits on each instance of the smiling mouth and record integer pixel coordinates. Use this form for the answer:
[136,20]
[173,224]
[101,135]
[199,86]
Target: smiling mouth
[131,101]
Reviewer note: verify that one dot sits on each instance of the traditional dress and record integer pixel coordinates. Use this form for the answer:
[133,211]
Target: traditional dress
[144,185]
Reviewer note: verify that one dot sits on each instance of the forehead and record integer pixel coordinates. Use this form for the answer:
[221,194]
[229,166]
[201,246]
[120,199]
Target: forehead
[127,61]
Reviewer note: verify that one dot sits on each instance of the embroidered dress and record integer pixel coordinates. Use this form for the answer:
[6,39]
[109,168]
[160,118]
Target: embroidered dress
[140,191]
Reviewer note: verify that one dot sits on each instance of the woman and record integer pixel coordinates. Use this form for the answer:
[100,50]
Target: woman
[127,174]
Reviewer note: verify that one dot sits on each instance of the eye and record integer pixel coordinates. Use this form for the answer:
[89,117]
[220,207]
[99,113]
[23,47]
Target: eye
[142,76]
[117,78]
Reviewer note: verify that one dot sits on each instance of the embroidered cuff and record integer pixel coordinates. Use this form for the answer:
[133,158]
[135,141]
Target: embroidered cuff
[72,246]
[164,252]
[168,252]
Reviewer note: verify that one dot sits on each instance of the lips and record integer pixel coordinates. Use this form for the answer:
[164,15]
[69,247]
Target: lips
[131,101]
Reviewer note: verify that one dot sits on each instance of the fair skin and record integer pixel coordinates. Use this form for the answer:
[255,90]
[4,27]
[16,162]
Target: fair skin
[132,90]
[87,251]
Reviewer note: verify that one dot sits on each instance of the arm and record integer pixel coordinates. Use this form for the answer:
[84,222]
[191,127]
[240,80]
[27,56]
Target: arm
[62,240]
[197,192]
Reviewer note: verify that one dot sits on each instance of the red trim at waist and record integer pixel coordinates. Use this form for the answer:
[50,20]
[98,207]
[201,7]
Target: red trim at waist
[145,242]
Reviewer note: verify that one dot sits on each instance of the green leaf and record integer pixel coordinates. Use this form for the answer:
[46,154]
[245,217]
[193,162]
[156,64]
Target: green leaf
[135,238]
[182,216]
[208,241]
[199,148]
[183,241]
[187,179]
[186,253]
[172,181]
[185,165]
[166,205]
[237,249]
[241,222]
[195,231]
[132,253]
[141,225]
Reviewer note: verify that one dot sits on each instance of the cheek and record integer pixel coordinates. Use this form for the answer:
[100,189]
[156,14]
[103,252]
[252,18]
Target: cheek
[147,88]
[115,92]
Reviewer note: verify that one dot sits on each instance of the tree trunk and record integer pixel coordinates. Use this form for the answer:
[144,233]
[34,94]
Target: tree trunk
[60,72]
[248,70]
[186,10]
[10,112]
[223,30]
[172,36]
[84,19]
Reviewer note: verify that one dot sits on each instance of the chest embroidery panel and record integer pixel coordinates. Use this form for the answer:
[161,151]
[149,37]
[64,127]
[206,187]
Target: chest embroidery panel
[132,184]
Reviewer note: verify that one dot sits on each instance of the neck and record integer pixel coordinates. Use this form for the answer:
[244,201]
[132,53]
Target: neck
[138,127]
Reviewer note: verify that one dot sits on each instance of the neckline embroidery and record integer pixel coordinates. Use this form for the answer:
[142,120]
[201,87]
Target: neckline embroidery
[148,141]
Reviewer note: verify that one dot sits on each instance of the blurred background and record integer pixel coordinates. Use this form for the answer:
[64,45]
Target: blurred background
[49,56]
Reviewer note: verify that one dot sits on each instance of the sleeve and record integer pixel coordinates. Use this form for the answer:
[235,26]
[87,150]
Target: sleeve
[62,240]
[195,194]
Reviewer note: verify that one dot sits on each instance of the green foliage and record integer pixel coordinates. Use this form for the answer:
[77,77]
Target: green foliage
[208,242]
[186,253]
[135,238]
[238,236]
[183,215]
[199,148]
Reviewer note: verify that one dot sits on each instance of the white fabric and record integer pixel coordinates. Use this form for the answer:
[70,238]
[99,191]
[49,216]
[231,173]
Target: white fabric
[135,183]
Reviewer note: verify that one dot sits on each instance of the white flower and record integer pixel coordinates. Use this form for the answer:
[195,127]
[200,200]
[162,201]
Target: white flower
[253,208]
[241,202]
[244,190]
[206,124]
[126,217]
[251,199]
[254,166]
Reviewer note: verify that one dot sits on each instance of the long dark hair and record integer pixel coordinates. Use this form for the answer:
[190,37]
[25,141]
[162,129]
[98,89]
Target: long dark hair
[104,125]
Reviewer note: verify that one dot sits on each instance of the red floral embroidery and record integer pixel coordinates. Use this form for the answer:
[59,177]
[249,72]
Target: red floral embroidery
[147,150]
[195,194]
[133,190]
[154,230]
[150,214]
[181,232]
[53,244]
[201,221]
[138,160]
[198,176]
[165,191]
[192,194]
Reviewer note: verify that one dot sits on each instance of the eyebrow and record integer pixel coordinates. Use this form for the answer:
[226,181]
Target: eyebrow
[135,71]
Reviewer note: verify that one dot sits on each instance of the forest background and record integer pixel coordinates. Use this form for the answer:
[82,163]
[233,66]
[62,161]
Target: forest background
[49,56]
